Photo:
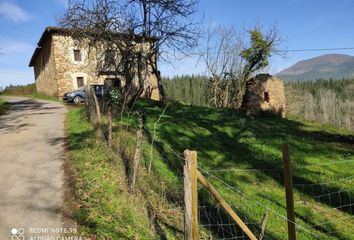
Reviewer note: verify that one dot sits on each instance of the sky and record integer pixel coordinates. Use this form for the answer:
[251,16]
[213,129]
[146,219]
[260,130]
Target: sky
[302,24]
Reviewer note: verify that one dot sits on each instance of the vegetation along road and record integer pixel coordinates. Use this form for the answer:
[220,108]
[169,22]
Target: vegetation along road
[31,159]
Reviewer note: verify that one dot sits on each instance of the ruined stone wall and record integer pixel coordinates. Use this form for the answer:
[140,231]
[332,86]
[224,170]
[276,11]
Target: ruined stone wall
[258,89]
[44,70]
[276,103]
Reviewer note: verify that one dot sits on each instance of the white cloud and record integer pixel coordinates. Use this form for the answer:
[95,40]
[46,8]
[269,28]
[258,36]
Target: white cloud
[13,12]
[14,47]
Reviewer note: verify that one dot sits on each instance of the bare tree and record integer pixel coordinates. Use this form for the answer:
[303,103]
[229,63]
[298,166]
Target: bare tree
[230,63]
[223,62]
[127,38]
[141,115]
[136,32]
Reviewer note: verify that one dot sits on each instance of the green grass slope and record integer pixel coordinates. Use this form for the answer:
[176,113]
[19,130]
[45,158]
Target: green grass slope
[245,153]
[102,206]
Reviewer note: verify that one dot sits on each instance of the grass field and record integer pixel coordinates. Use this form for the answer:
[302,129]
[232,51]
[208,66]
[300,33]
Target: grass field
[33,95]
[246,154]
[241,156]
[102,206]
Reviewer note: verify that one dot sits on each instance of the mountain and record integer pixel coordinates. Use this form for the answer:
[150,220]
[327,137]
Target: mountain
[327,66]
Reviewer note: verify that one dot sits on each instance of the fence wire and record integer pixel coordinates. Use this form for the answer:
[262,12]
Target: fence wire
[215,223]
[276,218]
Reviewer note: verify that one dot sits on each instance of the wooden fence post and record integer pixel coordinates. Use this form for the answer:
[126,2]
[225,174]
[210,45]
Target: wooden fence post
[288,183]
[190,196]
[225,206]
[110,124]
[137,152]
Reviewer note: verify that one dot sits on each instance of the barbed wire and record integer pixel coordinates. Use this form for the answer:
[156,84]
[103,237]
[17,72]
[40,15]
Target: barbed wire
[243,170]
[276,170]
[228,234]
[324,223]
[326,183]
[298,226]
[323,164]
[200,53]
[175,153]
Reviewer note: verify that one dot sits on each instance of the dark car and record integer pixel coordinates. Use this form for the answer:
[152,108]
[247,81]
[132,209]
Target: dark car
[78,95]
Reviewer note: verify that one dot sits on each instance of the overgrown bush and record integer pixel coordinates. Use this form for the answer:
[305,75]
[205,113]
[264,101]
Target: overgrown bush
[326,101]
[187,89]
[4,106]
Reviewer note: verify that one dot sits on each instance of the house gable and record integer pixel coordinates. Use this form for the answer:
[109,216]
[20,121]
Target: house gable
[69,63]
[44,68]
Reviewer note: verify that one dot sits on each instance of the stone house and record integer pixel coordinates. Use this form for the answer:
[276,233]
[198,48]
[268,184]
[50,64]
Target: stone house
[62,65]
[264,93]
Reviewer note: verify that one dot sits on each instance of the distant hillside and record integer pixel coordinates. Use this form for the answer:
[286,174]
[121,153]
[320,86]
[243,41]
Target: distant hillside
[327,66]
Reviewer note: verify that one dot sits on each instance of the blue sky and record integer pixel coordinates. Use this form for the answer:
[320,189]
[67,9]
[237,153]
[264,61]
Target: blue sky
[303,24]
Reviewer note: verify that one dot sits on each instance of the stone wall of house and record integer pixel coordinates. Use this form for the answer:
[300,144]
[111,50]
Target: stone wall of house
[44,70]
[67,69]
[151,88]
[264,93]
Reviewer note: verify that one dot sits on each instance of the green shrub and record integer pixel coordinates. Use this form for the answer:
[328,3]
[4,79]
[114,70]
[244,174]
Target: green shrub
[20,90]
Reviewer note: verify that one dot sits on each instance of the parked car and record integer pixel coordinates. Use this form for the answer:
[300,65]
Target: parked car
[78,95]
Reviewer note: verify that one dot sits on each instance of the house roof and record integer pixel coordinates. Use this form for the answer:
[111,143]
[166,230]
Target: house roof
[67,31]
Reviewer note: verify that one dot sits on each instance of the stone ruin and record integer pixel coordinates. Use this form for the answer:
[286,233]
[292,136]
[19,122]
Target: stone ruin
[264,94]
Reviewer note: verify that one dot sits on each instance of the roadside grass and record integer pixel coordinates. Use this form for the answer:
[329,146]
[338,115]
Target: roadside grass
[4,106]
[160,191]
[32,95]
[103,207]
[41,96]
[246,154]
[28,90]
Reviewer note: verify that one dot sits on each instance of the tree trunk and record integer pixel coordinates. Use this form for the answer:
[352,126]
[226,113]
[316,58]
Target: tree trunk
[97,107]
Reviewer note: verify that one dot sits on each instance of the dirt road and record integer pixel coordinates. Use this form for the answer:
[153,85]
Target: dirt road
[31,166]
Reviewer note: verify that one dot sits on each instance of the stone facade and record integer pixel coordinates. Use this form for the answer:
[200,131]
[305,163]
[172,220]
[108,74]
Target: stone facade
[264,93]
[58,72]
[44,70]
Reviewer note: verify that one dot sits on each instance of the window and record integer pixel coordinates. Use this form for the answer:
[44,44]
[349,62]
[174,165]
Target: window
[77,55]
[80,82]
[266,96]
[109,60]
[110,83]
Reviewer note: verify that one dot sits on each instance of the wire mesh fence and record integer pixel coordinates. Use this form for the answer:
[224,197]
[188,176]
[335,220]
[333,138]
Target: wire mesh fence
[216,223]
[331,201]
[334,211]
